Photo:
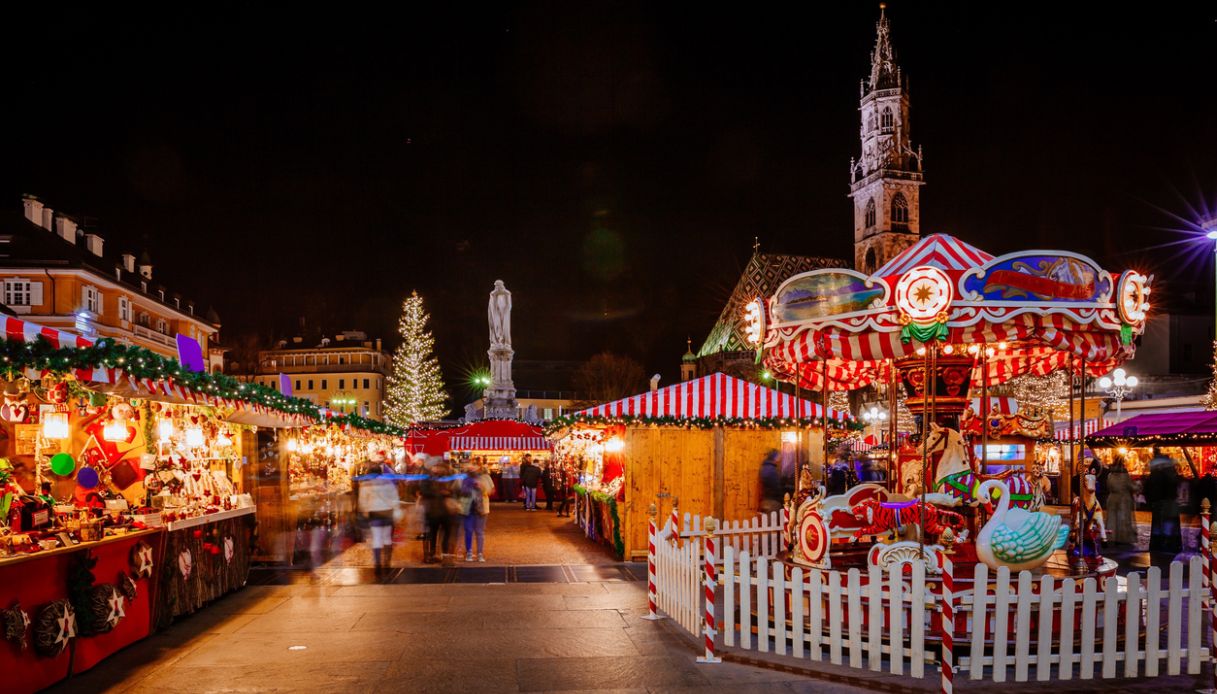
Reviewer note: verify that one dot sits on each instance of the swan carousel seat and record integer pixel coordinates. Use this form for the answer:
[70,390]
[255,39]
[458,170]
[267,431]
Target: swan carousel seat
[1015,537]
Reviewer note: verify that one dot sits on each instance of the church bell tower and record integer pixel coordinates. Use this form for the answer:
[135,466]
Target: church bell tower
[885,182]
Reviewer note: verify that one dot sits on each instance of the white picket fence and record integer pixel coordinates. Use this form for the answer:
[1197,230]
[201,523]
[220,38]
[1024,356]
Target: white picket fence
[1020,627]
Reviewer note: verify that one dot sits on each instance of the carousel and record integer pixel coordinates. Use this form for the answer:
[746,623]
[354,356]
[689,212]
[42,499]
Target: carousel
[937,325]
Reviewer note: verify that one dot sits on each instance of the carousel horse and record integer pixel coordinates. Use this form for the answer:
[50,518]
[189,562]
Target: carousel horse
[955,477]
[1092,519]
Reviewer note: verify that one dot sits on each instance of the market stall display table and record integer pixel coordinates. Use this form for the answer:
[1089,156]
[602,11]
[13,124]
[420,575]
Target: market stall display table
[205,558]
[34,580]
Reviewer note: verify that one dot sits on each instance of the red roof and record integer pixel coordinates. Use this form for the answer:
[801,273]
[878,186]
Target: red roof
[489,435]
[937,250]
[715,396]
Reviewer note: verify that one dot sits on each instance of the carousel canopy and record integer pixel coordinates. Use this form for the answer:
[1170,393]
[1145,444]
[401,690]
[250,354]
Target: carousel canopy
[488,435]
[717,396]
[1168,429]
[1032,311]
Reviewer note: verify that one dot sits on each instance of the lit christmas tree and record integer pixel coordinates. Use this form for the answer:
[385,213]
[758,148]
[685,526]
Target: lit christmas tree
[1210,398]
[416,388]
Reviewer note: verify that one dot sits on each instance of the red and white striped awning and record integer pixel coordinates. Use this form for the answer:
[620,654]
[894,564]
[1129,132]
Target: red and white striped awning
[499,443]
[937,250]
[997,405]
[715,396]
[1063,432]
[23,331]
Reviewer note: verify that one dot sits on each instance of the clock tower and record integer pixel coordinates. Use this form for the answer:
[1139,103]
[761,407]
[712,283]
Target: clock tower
[885,182]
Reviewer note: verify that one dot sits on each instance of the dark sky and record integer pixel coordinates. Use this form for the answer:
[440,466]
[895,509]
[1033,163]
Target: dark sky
[610,162]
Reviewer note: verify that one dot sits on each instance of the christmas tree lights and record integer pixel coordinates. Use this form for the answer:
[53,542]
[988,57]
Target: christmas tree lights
[416,387]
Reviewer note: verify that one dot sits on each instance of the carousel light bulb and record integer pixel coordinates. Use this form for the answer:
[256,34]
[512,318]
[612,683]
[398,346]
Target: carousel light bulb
[55,426]
[114,431]
[164,429]
[921,351]
[948,349]
[1001,345]
[989,352]
[973,349]
[194,437]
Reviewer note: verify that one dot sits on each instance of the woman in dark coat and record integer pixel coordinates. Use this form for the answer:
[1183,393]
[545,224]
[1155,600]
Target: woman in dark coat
[1162,495]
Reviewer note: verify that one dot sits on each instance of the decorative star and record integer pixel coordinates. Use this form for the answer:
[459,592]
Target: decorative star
[116,608]
[923,293]
[143,560]
[67,628]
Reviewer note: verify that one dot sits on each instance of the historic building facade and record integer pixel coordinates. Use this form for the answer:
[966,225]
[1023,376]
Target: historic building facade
[345,373]
[59,275]
[886,180]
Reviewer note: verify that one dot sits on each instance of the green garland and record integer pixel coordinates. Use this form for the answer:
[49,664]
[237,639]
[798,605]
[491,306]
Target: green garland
[559,423]
[142,363]
[618,543]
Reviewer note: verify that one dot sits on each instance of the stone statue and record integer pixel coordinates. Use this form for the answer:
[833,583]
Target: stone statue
[499,312]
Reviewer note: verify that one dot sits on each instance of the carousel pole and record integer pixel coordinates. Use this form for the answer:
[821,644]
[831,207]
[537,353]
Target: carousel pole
[1082,429]
[984,409]
[892,463]
[824,417]
[927,380]
[1063,486]
[797,408]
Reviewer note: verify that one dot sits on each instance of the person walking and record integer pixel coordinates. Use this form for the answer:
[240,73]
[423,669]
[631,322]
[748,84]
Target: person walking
[549,484]
[511,480]
[378,501]
[564,490]
[530,475]
[440,509]
[475,495]
[771,483]
[1119,506]
[1162,496]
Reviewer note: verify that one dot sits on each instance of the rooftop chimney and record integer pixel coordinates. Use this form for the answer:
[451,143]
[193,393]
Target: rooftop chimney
[33,209]
[128,262]
[66,229]
[145,266]
[654,383]
[94,243]
[48,218]
[378,344]
[298,340]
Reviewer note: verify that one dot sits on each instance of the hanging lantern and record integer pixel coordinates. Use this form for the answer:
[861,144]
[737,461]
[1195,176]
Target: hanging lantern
[194,437]
[55,425]
[164,429]
[114,431]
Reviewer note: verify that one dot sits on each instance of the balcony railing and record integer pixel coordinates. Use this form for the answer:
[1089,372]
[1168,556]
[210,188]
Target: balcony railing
[149,334]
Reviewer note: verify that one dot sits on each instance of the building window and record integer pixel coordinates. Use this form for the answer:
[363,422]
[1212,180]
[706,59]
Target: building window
[365,384]
[900,211]
[92,300]
[888,121]
[325,384]
[124,309]
[297,384]
[162,326]
[310,384]
[870,213]
[18,293]
[869,266]
[342,384]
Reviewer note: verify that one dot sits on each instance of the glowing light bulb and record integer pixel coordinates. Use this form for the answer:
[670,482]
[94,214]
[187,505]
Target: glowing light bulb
[948,349]
[164,429]
[55,426]
[114,431]
[292,446]
[194,437]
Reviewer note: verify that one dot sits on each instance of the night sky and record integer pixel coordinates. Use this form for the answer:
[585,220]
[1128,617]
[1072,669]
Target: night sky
[610,162]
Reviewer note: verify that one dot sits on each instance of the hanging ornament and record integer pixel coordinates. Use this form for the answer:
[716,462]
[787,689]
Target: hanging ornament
[185,564]
[15,409]
[16,623]
[141,559]
[228,550]
[127,586]
[923,296]
[87,478]
[55,627]
[63,464]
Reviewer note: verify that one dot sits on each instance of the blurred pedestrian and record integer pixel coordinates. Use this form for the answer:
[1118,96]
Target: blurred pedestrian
[530,475]
[1162,495]
[475,494]
[378,502]
[1119,506]
[771,483]
[564,490]
[437,496]
[547,484]
[511,480]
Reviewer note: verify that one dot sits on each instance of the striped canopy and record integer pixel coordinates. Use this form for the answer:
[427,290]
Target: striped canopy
[842,329]
[717,396]
[24,331]
[489,435]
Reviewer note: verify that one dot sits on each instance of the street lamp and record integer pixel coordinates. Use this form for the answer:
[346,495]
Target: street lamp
[1209,227]
[1117,386]
[875,416]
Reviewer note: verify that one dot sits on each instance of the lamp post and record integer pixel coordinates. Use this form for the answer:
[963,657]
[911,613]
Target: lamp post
[1117,386]
[875,417]
[1209,227]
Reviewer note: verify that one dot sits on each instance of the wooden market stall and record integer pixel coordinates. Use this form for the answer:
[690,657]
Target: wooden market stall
[701,442]
[497,442]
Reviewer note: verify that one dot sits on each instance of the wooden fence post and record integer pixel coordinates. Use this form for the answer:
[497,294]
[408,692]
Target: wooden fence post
[652,614]
[711,578]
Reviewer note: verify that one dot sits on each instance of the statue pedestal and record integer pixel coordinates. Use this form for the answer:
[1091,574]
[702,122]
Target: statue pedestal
[500,397]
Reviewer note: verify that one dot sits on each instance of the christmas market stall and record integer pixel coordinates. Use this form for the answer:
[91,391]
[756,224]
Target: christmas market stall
[125,495]
[1190,438]
[497,442]
[700,442]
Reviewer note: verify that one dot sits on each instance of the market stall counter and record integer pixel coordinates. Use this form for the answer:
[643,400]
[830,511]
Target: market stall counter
[208,557]
[111,575]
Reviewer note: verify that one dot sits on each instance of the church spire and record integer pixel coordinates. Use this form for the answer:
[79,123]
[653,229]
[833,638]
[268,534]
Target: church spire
[883,71]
